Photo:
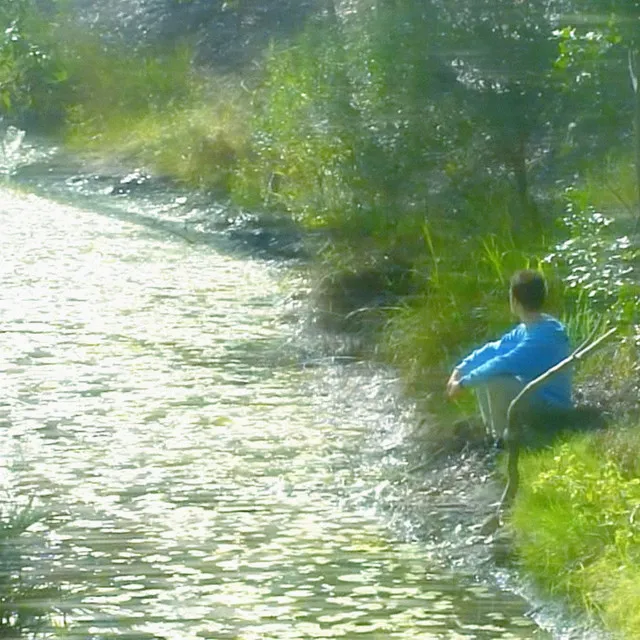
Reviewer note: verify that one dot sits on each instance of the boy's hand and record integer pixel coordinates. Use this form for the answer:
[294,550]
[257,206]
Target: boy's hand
[453,384]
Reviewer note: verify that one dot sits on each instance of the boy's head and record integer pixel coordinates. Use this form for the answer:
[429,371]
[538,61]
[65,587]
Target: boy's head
[529,288]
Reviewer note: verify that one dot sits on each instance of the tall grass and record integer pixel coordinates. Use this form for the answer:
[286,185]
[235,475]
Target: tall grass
[198,144]
[465,302]
[110,80]
[154,110]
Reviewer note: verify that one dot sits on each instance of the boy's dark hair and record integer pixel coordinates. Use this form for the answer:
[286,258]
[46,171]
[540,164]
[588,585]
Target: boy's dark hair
[529,288]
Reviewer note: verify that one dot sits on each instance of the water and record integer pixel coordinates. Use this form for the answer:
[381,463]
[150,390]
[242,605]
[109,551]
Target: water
[10,145]
[202,479]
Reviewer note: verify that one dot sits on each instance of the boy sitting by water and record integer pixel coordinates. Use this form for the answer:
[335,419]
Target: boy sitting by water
[499,370]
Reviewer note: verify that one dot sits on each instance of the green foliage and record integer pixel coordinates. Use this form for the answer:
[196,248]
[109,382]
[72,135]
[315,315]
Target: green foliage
[590,63]
[32,80]
[120,84]
[576,524]
[596,266]
[302,157]
[380,120]
[358,130]
[611,185]
[373,123]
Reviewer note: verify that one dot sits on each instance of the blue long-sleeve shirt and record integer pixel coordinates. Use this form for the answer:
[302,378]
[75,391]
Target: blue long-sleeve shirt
[524,352]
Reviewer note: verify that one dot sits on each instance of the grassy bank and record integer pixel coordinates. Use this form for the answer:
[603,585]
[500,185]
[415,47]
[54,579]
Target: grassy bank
[429,191]
[155,111]
[576,524]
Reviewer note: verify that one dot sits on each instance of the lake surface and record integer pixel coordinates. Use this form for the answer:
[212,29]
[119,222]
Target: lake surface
[202,469]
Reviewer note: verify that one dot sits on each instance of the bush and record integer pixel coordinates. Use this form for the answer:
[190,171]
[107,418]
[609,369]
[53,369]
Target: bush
[33,81]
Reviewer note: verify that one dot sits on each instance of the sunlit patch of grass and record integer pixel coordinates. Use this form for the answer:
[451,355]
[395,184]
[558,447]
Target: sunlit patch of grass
[198,146]
[622,584]
[613,186]
[577,526]
[156,111]
[108,79]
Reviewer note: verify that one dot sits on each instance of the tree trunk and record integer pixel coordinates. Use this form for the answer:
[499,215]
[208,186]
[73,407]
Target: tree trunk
[518,158]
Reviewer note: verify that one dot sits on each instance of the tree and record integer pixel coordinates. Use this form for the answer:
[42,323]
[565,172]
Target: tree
[601,53]
[503,52]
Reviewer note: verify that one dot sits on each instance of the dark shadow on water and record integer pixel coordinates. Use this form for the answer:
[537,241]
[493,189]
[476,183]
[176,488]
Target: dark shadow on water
[162,206]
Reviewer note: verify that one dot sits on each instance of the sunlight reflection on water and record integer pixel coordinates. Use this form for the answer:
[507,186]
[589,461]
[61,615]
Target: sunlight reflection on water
[198,477]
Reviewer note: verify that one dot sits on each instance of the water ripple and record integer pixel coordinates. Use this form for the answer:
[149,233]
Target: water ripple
[198,476]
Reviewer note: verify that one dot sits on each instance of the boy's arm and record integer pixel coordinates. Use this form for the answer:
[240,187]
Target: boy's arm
[488,351]
[512,362]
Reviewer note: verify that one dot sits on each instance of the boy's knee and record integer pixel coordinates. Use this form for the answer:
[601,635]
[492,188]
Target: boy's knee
[504,383]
